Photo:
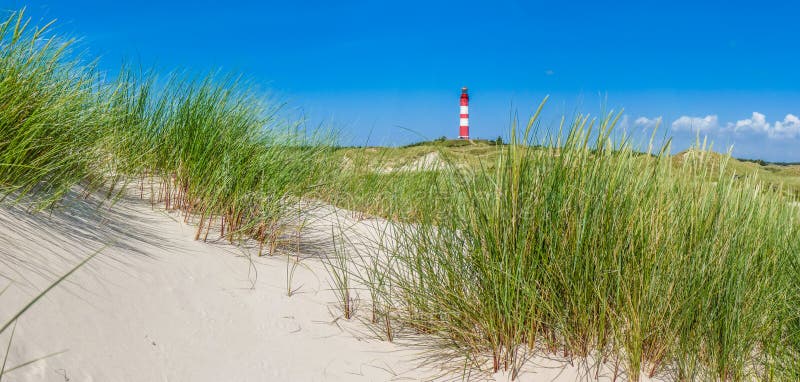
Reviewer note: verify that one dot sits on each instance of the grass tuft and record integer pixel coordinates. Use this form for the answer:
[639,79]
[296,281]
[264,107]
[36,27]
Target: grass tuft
[574,244]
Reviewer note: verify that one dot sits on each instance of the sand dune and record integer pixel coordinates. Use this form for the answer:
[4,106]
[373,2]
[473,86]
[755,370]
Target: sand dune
[156,305]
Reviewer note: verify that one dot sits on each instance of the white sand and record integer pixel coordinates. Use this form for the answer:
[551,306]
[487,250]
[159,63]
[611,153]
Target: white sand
[428,162]
[157,305]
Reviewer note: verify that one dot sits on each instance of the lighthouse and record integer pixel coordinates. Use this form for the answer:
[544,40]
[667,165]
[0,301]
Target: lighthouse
[463,126]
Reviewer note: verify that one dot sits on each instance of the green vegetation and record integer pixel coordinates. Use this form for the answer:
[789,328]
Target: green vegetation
[50,119]
[785,175]
[385,181]
[48,115]
[214,149]
[583,247]
[572,244]
[445,142]
[211,147]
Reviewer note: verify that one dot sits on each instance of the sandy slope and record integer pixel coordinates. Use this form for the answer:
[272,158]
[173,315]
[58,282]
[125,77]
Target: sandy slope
[157,305]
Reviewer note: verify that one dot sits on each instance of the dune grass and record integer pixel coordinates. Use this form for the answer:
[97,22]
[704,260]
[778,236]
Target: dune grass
[50,118]
[572,243]
[213,147]
[585,248]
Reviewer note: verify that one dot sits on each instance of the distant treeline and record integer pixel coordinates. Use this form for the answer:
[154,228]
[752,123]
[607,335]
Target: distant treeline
[445,142]
[762,162]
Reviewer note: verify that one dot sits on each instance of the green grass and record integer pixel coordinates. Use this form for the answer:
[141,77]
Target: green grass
[50,119]
[485,153]
[572,243]
[213,147]
[584,247]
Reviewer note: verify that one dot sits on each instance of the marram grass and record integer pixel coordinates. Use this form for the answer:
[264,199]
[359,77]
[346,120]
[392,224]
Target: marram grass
[211,147]
[583,247]
[577,245]
[50,118]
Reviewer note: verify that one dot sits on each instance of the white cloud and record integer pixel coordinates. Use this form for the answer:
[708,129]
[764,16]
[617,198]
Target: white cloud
[696,124]
[648,123]
[757,124]
[789,128]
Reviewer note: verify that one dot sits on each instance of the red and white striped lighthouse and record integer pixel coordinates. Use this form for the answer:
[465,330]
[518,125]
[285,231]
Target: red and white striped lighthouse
[463,126]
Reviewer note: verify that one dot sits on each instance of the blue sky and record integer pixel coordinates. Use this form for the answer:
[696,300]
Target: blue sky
[392,71]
